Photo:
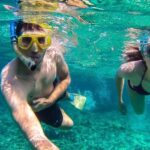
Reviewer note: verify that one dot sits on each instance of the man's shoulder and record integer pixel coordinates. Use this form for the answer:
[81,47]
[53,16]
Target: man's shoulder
[8,68]
[7,75]
[54,54]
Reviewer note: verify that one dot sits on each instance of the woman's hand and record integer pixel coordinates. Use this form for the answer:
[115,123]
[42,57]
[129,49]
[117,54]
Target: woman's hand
[40,104]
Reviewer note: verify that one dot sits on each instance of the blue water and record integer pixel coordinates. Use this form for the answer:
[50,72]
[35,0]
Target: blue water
[93,64]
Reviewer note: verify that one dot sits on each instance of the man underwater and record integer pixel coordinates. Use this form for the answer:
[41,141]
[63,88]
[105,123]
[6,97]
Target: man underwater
[28,83]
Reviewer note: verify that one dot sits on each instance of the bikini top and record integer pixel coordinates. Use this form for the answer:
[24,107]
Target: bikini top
[139,89]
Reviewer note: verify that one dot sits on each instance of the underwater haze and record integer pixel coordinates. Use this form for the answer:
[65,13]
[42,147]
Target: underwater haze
[94,53]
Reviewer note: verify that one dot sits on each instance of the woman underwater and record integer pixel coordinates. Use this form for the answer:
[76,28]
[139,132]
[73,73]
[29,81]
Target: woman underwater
[136,70]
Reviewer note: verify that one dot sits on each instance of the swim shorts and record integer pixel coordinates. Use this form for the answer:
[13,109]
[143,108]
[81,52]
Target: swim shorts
[51,115]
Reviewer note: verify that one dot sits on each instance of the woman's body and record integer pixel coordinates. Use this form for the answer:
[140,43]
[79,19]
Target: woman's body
[136,70]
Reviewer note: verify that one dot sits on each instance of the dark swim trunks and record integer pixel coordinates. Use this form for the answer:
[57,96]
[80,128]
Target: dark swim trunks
[51,116]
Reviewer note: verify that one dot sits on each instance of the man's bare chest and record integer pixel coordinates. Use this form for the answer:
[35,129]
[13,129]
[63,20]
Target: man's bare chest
[39,83]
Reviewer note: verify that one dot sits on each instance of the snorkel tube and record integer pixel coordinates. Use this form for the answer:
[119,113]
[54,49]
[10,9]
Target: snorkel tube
[13,36]
[143,43]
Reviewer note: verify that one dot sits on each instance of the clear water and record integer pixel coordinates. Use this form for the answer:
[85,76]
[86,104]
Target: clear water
[93,64]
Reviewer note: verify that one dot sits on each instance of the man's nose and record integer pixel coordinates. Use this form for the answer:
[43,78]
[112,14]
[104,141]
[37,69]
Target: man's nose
[35,47]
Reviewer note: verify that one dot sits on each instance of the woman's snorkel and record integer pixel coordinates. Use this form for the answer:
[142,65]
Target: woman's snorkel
[13,36]
[144,43]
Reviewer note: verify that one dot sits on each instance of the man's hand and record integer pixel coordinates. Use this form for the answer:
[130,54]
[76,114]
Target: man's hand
[122,108]
[40,104]
[45,145]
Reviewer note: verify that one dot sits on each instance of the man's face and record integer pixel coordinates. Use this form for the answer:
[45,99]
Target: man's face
[33,45]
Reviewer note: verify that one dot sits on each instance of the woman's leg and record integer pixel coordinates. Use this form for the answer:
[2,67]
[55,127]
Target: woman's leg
[137,101]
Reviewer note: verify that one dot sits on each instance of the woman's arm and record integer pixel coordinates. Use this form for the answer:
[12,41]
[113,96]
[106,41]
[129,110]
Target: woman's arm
[129,71]
[124,72]
[120,86]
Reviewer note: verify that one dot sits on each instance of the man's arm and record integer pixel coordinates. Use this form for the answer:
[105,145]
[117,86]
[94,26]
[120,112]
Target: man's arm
[63,77]
[23,114]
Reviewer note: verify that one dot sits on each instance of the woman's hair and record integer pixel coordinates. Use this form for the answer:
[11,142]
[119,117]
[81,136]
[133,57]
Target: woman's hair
[132,53]
[24,26]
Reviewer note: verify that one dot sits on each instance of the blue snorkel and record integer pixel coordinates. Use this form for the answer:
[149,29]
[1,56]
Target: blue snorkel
[143,43]
[13,36]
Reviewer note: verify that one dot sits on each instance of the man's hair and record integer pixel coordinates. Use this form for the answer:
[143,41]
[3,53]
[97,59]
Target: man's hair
[25,26]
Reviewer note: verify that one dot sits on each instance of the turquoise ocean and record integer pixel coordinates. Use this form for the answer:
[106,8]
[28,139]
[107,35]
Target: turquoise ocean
[93,54]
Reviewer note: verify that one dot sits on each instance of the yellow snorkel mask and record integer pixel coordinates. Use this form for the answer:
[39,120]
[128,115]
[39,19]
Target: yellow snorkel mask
[25,41]
[43,40]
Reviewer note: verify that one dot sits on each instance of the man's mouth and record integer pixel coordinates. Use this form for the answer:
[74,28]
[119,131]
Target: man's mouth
[36,58]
